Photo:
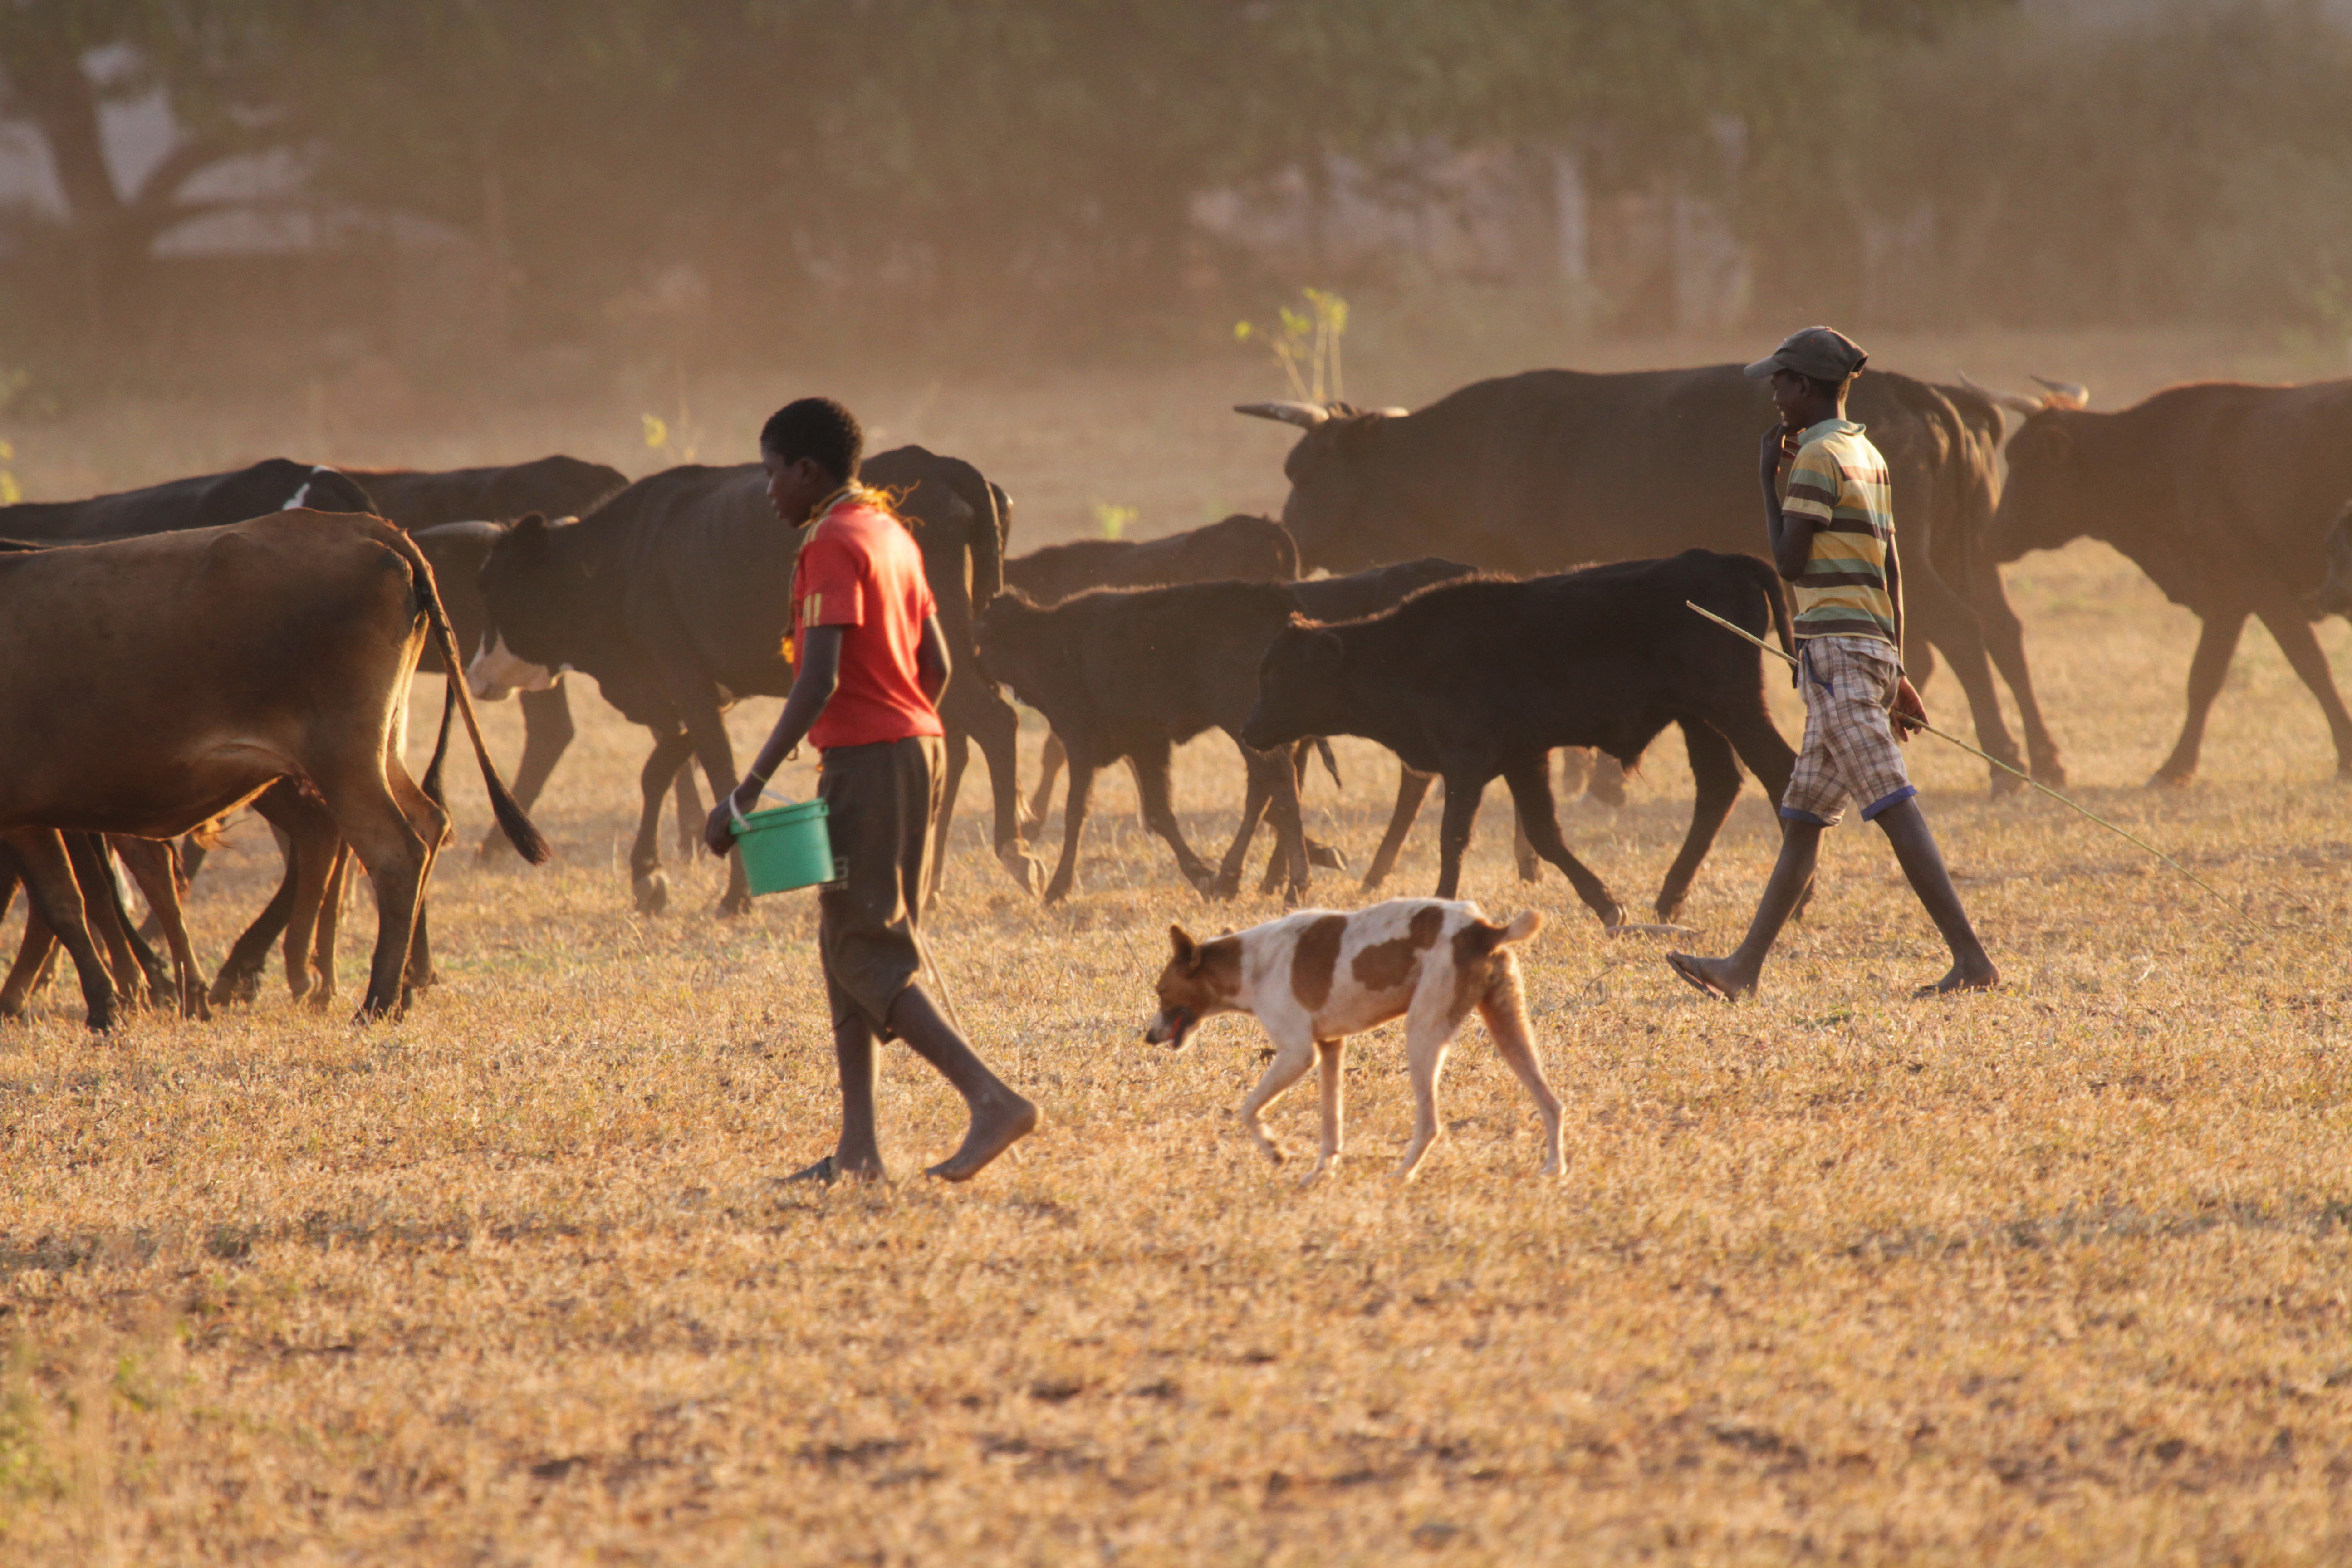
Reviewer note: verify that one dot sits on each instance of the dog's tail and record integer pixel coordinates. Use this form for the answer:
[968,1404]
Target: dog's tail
[1486,937]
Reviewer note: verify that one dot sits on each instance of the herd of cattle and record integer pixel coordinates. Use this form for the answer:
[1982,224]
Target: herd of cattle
[172,654]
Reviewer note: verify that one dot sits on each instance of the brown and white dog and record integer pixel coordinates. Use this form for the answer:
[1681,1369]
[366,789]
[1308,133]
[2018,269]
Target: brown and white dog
[1313,978]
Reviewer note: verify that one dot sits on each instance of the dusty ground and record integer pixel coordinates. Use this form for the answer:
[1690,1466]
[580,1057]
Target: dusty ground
[2057,1274]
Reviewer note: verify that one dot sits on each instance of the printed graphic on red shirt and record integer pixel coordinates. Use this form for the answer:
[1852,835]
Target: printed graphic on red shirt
[860,569]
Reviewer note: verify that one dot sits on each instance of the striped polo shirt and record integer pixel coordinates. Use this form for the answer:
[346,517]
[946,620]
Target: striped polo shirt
[1840,481]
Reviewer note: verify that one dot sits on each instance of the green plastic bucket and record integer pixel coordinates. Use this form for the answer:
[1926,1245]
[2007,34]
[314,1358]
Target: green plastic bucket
[786,847]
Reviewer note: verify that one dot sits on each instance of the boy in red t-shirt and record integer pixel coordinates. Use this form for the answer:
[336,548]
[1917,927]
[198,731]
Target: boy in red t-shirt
[869,665]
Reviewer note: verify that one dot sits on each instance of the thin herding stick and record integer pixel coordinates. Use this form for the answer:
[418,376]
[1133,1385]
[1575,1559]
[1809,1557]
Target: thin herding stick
[1739,631]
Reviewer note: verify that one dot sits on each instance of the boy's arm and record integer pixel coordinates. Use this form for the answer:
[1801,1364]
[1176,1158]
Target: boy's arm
[1909,712]
[932,665]
[813,686]
[1791,537]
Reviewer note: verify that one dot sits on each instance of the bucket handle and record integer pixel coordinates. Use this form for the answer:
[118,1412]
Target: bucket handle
[737,812]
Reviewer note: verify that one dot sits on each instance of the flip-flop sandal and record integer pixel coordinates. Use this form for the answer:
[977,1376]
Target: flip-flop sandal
[826,1172]
[1680,964]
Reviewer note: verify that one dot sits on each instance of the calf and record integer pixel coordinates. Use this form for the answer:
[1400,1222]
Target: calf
[1474,679]
[1240,548]
[1313,978]
[1130,673]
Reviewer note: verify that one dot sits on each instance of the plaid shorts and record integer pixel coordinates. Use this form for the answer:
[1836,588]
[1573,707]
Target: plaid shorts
[1849,750]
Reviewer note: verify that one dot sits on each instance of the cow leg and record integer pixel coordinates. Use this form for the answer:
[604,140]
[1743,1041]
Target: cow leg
[1939,616]
[687,797]
[2217,644]
[1412,788]
[1050,758]
[546,730]
[1153,794]
[310,861]
[1274,793]
[646,879]
[1523,849]
[324,936]
[1717,772]
[1453,830]
[110,922]
[2004,640]
[149,962]
[239,979]
[957,748]
[1074,822]
[2303,655]
[1530,780]
[368,813]
[995,729]
[1257,792]
[152,865]
[49,877]
[33,950]
[706,726]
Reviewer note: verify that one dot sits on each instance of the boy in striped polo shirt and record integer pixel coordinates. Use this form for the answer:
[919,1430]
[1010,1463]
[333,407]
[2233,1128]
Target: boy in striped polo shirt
[1831,520]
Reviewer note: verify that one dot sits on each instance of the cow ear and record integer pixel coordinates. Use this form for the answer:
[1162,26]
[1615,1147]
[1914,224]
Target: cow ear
[1324,650]
[1188,952]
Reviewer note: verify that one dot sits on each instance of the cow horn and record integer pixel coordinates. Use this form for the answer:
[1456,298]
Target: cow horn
[1305,415]
[1393,412]
[473,532]
[2015,402]
[2065,394]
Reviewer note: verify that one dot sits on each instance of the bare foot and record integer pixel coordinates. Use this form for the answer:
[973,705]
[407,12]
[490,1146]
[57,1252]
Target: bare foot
[833,1168]
[1716,976]
[996,1125]
[1963,977]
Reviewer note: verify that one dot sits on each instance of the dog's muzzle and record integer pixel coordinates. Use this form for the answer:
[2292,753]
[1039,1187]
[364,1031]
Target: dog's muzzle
[1173,1029]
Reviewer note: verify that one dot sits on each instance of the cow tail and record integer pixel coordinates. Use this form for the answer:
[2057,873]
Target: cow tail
[432,781]
[1330,763]
[986,545]
[513,820]
[1776,601]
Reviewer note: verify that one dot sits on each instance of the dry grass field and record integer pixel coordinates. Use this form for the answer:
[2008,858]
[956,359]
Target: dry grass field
[2057,1274]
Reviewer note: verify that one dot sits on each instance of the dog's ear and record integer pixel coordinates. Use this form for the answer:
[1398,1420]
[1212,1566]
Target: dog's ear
[1188,952]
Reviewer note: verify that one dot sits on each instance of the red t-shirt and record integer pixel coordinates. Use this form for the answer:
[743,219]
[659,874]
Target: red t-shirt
[861,569]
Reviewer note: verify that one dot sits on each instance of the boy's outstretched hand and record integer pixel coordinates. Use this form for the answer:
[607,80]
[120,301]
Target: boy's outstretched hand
[1909,714]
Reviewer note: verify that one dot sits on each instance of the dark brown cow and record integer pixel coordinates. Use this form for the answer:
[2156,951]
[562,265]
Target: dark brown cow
[149,685]
[2221,492]
[1479,680]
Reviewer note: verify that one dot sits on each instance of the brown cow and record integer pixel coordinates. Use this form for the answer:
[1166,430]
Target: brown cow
[149,685]
[131,963]
[2221,492]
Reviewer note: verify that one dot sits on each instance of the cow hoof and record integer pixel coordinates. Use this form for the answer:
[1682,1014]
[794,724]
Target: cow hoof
[2005,783]
[2050,771]
[653,893]
[2165,778]
[734,906]
[1329,856]
[494,849]
[1055,895]
[1022,867]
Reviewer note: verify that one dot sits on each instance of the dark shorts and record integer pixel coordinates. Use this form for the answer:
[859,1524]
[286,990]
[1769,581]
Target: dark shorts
[880,803]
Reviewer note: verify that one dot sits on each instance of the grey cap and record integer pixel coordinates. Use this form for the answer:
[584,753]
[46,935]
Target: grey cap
[1820,352]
